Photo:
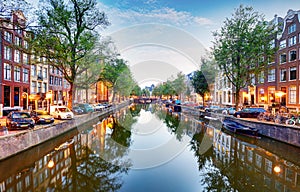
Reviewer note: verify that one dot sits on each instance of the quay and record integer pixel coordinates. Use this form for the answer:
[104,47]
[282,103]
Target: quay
[12,144]
[285,133]
[280,132]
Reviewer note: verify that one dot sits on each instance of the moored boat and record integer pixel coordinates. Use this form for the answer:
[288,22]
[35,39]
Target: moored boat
[238,128]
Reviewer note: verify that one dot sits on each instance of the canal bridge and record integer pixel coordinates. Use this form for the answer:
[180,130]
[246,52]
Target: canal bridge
[145,100]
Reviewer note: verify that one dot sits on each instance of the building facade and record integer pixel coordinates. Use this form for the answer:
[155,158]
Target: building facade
[15,62]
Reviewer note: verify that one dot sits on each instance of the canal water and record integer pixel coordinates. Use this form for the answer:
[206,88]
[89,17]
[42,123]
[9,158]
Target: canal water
[145,148]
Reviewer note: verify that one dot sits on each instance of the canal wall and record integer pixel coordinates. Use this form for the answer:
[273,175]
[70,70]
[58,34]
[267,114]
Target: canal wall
[13,144]
[283,133]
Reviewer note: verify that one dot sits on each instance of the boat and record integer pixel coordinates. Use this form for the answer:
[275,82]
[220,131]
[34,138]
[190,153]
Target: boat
[239,128]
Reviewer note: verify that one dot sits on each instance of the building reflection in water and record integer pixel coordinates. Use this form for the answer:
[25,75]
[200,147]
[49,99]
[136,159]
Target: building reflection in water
[261,168]
[243,162]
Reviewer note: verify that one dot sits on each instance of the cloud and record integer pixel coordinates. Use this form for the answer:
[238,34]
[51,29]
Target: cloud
[163,15]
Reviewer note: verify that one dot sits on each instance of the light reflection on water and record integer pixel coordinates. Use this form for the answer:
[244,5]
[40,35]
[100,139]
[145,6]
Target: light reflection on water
[143,148]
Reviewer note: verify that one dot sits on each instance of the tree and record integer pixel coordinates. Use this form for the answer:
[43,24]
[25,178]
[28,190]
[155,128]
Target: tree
[66,34]
[209,69]
[242,48]
[179,84]
[200,84]
[111,74]
[125,83]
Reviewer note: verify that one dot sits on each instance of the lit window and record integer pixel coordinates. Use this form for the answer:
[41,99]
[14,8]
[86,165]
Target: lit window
[292,94]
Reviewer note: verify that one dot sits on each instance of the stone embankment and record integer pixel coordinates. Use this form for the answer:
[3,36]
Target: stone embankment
[284,133]
[17,142]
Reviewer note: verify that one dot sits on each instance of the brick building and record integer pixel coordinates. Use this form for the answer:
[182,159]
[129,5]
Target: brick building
[14,62]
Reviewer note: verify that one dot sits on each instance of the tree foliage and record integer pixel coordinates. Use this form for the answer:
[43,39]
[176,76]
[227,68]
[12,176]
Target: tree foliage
[117,76]
[199,83]
[66,34]
[242,47]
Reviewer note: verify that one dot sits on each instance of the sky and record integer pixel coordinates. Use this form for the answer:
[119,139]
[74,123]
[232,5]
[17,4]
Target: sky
[160,38]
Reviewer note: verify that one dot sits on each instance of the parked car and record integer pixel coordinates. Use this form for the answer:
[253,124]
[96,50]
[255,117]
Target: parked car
[41,117]
[212,108]
[77,110]
[61,112]
[99,107]
[249,112]
[87,108]
[229,111]
[19,120]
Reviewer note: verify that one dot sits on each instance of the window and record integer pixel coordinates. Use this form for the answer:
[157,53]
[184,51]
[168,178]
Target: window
[25,75]
[292,28]
[25,58]
[283,58]
[33,87]
[17,56]
[17,74]
[51,80]
[25,44]
[7,36]
[271,75]
[45,73]
[292,95]
[18,30]
[293,55]
[282,44]
[282,74]
[261,77]
[7,53]
[39,87]
[292,41]
[33,70]
[268,166]
[44,87]
[293,73]
[18,41]
[7,71]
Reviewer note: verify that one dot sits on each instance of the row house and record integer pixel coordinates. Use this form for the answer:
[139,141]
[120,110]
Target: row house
[27,81]
[280,84]
[14,61]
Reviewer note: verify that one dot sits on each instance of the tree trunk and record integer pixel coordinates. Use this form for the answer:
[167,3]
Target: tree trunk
[237,99]
[87,95]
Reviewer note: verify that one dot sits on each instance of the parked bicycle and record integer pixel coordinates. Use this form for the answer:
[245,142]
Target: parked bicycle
[293,120]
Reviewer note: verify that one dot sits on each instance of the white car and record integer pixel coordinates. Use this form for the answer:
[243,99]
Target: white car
[98,107]
[61,112]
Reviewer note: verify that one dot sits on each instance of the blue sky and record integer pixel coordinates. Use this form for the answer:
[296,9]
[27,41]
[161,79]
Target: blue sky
[199,17]
[160,38]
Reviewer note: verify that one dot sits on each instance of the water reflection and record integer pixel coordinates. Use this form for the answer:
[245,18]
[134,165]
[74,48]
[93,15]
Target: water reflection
[110,155]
